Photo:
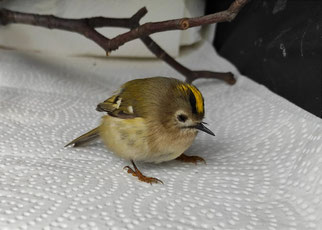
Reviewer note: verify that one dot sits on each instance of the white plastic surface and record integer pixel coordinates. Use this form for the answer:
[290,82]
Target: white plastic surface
[43,40]
[263,168]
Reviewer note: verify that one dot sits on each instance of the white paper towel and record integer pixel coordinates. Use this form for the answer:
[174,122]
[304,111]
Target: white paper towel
[263,166]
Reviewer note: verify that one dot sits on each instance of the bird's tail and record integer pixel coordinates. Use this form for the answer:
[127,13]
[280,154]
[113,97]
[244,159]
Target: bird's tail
[85,138]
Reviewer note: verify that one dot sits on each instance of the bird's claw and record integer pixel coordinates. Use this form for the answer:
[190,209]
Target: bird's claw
[142,177]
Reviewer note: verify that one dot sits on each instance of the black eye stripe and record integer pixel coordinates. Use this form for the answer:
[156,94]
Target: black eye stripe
[192,100]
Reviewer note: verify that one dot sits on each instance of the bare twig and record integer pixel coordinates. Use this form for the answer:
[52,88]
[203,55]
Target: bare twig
[177,24]
[86,27]
[189,74]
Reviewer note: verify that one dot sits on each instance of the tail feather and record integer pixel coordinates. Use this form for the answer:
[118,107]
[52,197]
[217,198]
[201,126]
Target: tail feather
[85,138]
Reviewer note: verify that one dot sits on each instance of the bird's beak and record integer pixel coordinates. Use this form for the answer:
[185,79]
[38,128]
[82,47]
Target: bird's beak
[201,127]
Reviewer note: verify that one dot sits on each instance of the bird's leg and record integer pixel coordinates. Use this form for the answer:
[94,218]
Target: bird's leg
[190,159]
[136,172]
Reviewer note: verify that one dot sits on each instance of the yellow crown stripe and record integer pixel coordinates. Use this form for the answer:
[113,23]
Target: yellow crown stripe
[198,96]
[183,88]
[196,93]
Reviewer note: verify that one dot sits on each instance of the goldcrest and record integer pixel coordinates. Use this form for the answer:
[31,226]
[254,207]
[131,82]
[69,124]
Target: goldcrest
[151,120]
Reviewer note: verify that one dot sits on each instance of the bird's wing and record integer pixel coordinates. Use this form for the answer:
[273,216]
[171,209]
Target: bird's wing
[116,106]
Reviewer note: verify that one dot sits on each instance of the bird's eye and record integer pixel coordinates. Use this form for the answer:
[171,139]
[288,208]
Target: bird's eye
[182,117]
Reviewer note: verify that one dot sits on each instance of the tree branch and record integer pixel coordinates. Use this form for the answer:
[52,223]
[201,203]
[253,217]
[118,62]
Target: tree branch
[86,27]
[189,74]
[177,24]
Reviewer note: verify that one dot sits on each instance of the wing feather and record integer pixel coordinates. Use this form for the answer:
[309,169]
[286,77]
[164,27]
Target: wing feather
[116,106]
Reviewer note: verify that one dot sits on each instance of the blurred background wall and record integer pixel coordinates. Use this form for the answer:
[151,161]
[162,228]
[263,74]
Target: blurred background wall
[277,43]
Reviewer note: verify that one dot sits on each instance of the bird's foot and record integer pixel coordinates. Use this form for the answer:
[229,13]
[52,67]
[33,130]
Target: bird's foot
[190,159]
[136,172]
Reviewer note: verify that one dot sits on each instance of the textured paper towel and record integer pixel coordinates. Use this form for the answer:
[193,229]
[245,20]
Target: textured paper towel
[263,166]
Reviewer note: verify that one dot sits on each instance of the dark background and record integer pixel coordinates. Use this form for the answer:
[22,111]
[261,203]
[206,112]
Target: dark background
[277,43]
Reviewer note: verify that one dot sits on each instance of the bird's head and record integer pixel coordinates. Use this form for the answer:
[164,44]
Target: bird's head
[184,110]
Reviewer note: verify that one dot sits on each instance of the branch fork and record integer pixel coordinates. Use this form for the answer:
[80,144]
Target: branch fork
[87,27]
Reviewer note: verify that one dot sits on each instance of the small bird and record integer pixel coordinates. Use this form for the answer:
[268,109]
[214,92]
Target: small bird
[151,120]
